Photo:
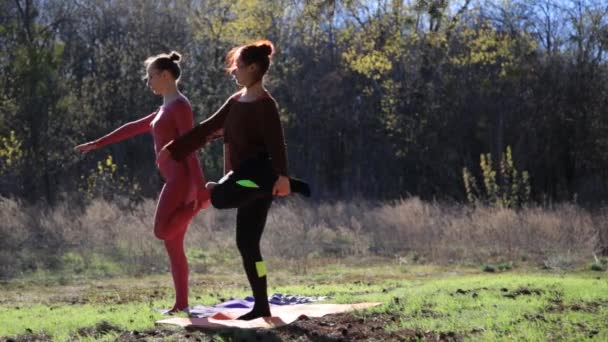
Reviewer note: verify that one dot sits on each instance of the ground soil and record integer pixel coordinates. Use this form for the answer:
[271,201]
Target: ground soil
[340,327]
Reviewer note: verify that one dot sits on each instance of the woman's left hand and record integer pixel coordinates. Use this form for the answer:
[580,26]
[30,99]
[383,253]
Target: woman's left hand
[281,187]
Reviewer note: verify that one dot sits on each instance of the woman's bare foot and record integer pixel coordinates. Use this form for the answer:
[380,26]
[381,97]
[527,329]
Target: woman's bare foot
[175,310]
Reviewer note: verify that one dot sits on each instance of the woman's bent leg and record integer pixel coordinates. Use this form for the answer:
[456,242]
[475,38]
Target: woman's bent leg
[231,193]
[253,179]
[172,214]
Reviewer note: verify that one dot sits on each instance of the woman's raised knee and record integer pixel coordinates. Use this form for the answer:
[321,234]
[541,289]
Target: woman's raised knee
[219,200]
[161,232]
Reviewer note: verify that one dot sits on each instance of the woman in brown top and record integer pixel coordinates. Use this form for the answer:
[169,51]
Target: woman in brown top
[254,148]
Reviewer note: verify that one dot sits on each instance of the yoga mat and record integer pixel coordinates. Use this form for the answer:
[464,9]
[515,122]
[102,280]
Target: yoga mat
[275,300]
[281,315]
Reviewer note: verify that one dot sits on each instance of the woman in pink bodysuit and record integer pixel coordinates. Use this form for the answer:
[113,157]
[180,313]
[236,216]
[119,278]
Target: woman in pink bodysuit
[184,193]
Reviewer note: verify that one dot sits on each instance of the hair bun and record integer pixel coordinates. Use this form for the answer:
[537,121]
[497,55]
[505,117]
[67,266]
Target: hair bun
[175,56]
[266,47]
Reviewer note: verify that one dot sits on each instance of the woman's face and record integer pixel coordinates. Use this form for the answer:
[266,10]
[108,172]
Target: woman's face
[156,80]
[244,75]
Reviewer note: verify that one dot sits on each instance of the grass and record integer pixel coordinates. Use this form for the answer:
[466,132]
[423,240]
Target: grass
[479,273]
[514,304]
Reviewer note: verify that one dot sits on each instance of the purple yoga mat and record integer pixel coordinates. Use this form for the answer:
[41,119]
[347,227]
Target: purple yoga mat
[275,300]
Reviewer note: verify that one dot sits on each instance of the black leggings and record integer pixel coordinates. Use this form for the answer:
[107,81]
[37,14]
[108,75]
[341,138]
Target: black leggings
[250,222]
[249,189]
[252,200]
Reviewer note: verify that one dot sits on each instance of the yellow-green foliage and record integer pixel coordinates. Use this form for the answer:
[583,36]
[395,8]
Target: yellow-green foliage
[470,186]
[511,190]
[11,152]
[372,64]
[237,22]
[488,47]
[368,57]
[105,181]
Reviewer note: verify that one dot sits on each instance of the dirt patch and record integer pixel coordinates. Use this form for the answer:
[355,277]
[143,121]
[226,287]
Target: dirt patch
[340,327]
[109,295]
[100,329]
[472,292]
[558,306]
[429,313]
[119,296]
[585,328]
[534,318]
[164,334]
[29,337]
[523,291]
[347,327]
[528,317]
[415,335]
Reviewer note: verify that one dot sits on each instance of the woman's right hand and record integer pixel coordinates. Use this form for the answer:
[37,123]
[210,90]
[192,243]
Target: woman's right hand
[86,147]
[202,200]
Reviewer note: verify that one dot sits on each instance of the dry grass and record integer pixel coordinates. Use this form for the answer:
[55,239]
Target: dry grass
[109,237]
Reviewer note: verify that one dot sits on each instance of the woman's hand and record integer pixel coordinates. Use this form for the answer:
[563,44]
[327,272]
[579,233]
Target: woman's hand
[201,199]
[281,187]
[86,147]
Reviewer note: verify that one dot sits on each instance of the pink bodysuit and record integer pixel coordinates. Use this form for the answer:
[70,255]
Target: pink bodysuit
[184,182]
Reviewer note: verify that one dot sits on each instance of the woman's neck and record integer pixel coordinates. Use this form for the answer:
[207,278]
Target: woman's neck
[171,94]
[253,91]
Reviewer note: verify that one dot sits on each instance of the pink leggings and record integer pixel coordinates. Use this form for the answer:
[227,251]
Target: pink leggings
[174,212]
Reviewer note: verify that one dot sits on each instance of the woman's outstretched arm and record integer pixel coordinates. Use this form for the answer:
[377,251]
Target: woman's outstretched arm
[123,132]
[197,137]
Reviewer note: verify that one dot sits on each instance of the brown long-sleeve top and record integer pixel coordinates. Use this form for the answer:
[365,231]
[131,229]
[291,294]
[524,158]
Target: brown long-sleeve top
[248,128]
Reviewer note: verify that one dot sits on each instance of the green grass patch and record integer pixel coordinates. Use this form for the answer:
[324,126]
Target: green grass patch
[468,302]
